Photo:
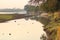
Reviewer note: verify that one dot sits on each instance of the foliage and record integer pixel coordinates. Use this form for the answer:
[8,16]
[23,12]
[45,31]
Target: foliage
[58,5]
[50,26]
[51,29]
[30,8]
[49,6]
[37,1]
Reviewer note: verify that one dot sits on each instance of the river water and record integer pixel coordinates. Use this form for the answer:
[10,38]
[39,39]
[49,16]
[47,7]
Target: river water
[21,29]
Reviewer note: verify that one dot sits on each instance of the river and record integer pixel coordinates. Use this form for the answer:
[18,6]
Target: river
[21,29]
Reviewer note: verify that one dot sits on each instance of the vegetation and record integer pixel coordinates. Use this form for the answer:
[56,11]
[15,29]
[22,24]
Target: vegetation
[7,17]
[43,37]
[30,8]
[52,7]
[49,6]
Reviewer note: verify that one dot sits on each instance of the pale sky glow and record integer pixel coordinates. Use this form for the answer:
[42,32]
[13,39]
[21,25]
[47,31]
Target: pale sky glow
[13,3]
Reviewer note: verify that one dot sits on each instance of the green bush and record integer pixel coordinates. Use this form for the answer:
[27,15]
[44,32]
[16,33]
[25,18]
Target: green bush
[50,6]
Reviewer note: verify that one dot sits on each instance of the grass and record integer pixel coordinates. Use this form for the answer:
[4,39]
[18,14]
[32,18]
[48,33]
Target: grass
[6,16]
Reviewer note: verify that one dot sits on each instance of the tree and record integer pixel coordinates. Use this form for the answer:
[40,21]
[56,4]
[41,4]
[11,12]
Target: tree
[30,8]
[49,6]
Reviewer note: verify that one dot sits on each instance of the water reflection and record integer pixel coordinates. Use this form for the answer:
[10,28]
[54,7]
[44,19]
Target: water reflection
[21,29]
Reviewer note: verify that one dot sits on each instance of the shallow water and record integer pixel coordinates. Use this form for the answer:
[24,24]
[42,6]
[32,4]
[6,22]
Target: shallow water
[21,29]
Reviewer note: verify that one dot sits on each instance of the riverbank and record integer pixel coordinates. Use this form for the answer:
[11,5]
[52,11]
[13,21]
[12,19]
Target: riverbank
[7,17]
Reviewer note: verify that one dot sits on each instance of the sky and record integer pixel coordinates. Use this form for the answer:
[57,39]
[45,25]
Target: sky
[13,3]
[21,30]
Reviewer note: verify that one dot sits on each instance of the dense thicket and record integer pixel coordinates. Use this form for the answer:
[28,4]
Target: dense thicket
[49,5]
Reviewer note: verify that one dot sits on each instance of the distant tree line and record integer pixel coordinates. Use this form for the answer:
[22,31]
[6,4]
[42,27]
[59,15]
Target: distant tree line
[11,10]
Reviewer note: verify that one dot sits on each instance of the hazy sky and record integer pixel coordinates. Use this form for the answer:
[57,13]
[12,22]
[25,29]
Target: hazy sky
[13,3]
